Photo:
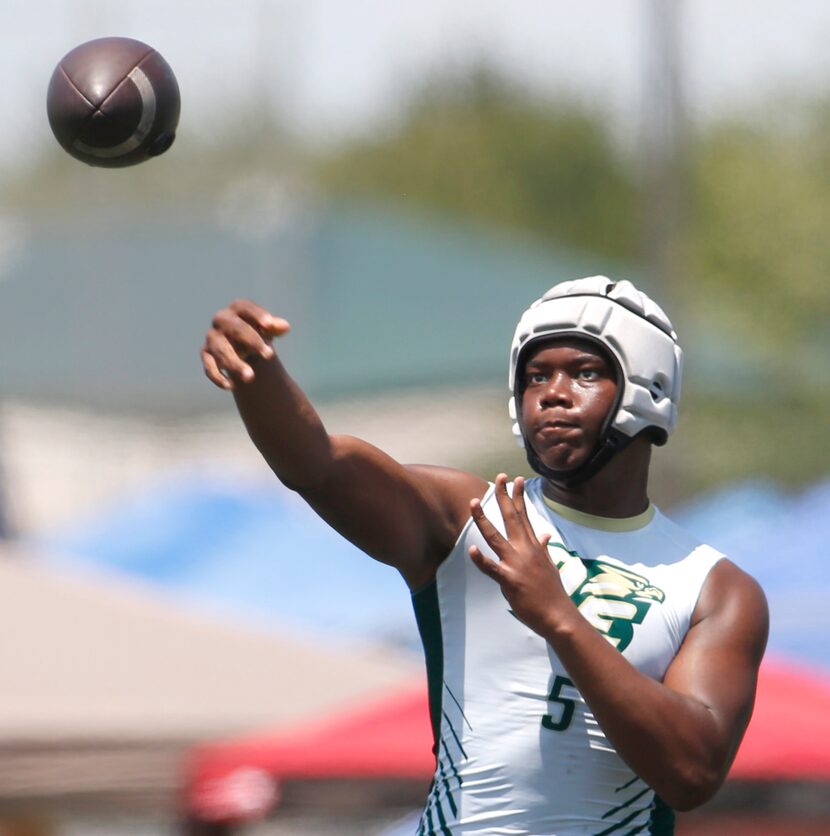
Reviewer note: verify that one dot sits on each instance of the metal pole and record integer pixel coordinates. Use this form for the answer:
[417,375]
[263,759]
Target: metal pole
[664,147]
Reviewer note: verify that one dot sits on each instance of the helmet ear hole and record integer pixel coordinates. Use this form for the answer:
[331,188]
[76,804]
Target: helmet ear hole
[658,388]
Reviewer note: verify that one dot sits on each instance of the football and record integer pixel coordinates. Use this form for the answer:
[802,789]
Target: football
[113,102]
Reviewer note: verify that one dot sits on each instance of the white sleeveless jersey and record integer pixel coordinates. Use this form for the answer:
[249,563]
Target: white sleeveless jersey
[518,751]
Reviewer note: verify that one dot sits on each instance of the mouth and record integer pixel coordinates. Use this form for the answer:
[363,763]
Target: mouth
[557,431]
[559,425]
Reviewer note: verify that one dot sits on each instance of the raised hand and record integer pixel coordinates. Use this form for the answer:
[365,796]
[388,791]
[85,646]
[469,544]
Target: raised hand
[239,332]
[527,577]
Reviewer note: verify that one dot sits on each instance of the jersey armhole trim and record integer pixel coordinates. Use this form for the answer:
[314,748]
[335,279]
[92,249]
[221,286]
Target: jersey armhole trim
[716,557]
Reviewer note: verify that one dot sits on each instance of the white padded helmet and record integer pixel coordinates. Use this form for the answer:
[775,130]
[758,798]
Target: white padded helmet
[635,332]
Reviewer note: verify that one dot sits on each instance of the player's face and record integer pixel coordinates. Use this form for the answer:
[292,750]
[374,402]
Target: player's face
[570,386]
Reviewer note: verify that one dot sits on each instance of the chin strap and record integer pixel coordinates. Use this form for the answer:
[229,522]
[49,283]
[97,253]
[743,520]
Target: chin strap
[614,442]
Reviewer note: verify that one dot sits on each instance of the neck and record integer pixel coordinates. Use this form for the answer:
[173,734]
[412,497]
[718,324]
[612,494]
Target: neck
[620,489]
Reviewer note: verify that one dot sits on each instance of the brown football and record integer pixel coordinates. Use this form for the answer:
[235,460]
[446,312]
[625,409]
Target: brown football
[113,102]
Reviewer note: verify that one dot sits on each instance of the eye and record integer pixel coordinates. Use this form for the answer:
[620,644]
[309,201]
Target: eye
[535,377]
[588,374]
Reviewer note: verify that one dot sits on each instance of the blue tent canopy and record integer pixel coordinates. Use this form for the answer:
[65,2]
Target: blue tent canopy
[782,540]
[251,552]
[257,553]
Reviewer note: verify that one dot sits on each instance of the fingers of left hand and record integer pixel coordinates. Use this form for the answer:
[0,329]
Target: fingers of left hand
[521,507]
[489,567]
[488,531]
[513,509]
[213,372]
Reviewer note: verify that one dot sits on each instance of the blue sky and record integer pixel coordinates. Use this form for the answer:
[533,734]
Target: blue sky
[337,66]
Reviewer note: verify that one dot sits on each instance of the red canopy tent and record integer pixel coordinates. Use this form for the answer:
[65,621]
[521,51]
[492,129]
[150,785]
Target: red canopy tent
[390,738]
[787,740]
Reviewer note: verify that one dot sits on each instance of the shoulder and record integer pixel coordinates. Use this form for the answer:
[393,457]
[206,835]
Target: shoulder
[720,656]
[447,493]
[729,586]
[450,482]
[732,599]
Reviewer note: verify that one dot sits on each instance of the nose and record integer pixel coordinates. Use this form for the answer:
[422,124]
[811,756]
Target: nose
[558,391]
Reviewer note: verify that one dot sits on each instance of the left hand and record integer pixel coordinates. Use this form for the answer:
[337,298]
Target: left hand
[528,578]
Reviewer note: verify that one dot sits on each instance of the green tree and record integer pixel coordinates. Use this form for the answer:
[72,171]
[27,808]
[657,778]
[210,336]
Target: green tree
[476,146]
[758,237]
[759,254]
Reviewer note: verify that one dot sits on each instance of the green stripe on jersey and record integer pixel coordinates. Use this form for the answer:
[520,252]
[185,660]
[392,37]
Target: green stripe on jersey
[627,803]
[428,618]
[620,825]
[662,818]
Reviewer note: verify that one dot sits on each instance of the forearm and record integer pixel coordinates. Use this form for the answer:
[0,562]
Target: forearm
[669,739]
[283,424]
[678,735]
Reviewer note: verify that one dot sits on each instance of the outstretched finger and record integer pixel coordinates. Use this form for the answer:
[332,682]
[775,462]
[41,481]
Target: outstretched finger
[487,566]
[264,321]
[513,523]
[226,357]
[488,531]
[212,371]
[244,335]
[521,507]
[276,326]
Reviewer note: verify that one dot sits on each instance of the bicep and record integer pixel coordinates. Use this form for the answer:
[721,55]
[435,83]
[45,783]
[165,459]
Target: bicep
[406,516]
[717,665]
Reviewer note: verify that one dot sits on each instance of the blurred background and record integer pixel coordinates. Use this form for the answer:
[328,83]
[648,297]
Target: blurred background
[187,648]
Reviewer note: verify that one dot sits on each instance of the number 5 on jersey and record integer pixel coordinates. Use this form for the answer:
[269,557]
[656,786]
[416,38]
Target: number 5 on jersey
[562,719]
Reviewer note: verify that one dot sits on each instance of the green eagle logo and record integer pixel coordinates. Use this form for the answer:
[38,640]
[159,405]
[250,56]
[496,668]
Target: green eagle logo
[613,599]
